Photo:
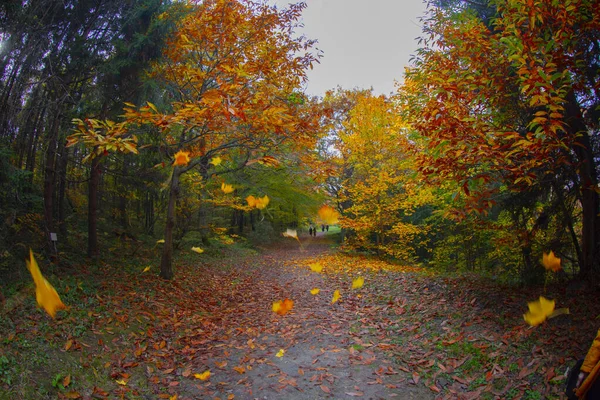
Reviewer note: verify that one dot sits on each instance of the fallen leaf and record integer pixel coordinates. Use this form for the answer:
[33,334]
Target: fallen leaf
[66,381]
[121,382]
[336,296]
[316,267]
[240,369]
[280,353]
[282,307]
[146,269]
[68,344]
[203,376]
[325,389]
[358,282]
[315,291]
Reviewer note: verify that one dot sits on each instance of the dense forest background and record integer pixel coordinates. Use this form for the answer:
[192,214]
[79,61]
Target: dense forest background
[124,124]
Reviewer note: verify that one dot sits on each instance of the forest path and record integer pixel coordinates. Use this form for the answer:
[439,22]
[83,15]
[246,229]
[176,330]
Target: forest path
[406,334]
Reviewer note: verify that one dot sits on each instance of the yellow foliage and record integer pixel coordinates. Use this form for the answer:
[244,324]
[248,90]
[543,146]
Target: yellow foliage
[328,215]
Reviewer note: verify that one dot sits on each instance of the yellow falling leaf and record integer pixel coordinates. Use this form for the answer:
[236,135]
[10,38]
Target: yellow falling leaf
[226,188]
[291,233]
[358,282]
[316,267]
[45,294]
[262,202]
[315,291]
[182,158]
[174,397]
[336,296]
[551,262]
[280,353]
[215,161]
[328,215]
[146,269]
[539,310]
[198,250]
[159,241]
[203,376]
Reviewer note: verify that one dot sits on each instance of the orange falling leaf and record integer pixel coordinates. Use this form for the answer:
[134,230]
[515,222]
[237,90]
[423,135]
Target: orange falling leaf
[45,294]
[551,262]
[358,282]
[316,267]
[182,158]
[226,188]
[315,291]
[203,376]
[328,215]
[336,296]
[282,307]
[539,310]
[251,200]
[262,202]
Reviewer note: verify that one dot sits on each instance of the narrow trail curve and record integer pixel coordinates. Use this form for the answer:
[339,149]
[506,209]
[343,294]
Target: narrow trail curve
[239,336]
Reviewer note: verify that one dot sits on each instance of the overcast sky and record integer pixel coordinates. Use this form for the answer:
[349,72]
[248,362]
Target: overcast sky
[366,43]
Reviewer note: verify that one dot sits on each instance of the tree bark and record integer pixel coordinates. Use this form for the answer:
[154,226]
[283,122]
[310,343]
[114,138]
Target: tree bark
[166,262]
[50,180]
[93,208]
[590,202]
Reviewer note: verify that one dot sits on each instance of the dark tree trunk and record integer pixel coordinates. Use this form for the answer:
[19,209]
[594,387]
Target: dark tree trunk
[62,187]
[590,202]
[50,179]
[166,262]
[93,208]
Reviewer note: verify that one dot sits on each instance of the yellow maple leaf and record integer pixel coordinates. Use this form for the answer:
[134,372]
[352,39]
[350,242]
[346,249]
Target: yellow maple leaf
[45,294]
[215,161]
[280,353]
[182,158]
[262,202]
[328,215]
[551,262]
[315,291]
[358,282]
[226,188]
[251,200]
[146,269]
[197,250]
[539,310]
[203,376]
[336,296]
[316,267]
[121,382]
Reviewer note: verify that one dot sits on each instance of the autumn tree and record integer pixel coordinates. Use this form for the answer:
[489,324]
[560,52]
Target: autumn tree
[509,103]
[232,73]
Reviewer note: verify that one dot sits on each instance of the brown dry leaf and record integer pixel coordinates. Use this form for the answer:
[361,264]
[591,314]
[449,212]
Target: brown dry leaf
[240,369]
[325,389]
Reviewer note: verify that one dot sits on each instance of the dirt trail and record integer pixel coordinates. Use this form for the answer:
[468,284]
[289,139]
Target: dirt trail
[322,359]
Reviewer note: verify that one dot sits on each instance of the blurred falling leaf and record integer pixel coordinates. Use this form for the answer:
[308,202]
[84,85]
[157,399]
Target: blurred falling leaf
[328,215]
[539,310]
[282,307]
[146,269]
[336,296]
[262,202]
[251,200]
[198,250]
[280,353]
[160,241]
[45,294]
[226,188]
[291,233]
[316,267]
[358,282]
[315,291]
[121,382]
[203,376]
[551,262]
[182,158]
[215,161]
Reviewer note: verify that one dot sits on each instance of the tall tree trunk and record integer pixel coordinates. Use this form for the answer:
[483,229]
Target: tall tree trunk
[93,208]
[590,202]
[166,262]
[50,179]
[62,187]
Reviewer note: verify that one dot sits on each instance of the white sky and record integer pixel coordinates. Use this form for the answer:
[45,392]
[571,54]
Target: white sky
[366,43]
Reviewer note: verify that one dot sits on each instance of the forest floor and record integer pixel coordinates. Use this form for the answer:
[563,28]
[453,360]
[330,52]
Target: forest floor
[407,333]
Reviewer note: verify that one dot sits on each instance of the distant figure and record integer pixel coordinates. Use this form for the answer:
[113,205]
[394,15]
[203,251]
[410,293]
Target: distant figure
[327,227]
[322,228]
[310,231]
